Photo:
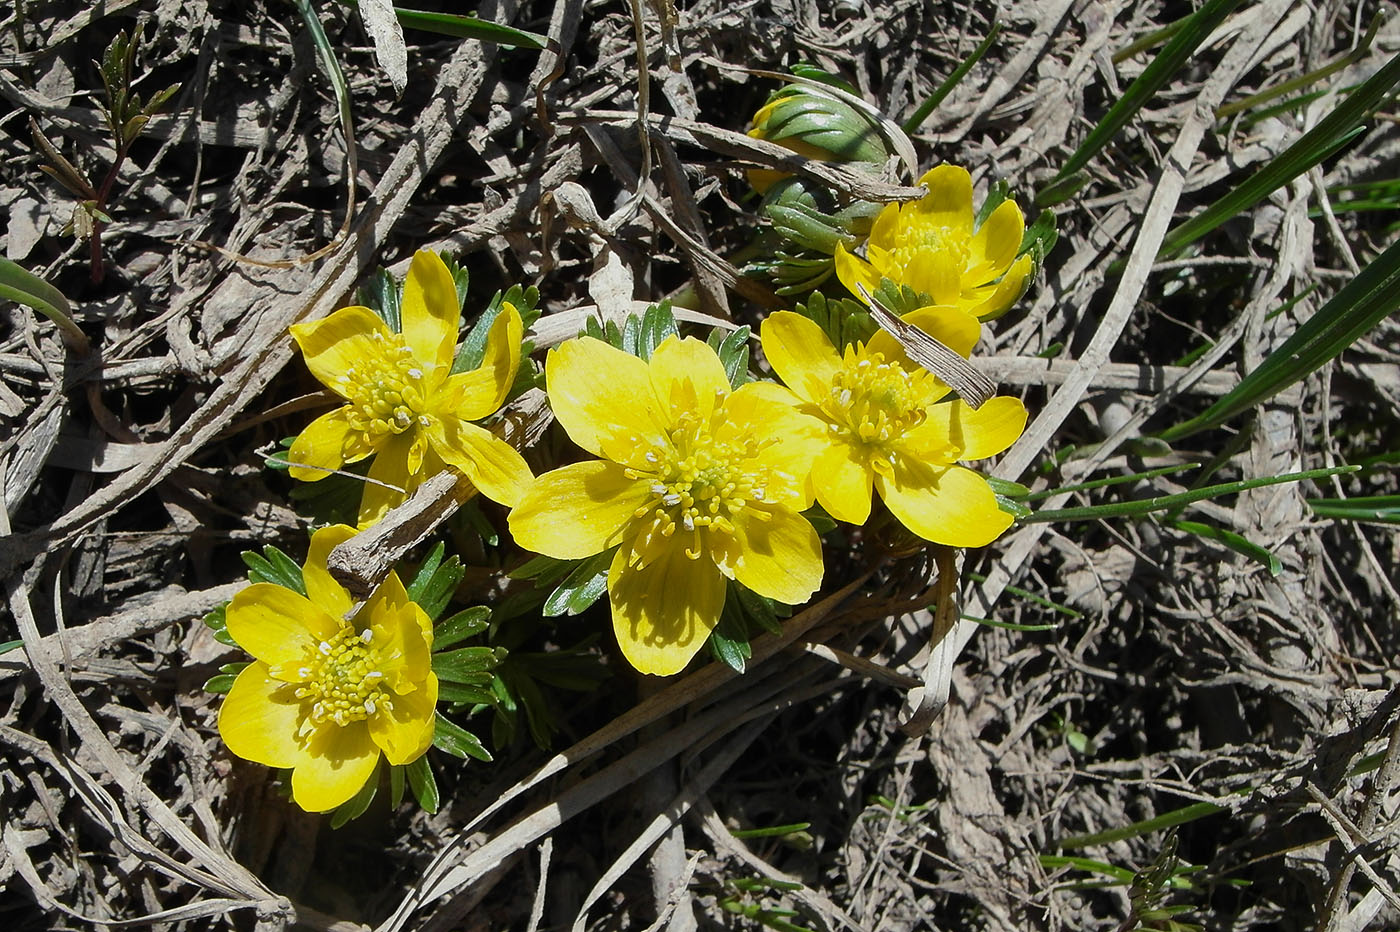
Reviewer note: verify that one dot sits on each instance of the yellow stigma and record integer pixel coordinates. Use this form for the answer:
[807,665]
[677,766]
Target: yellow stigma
[700,483]
[873,402]
[384,389]
[340,679]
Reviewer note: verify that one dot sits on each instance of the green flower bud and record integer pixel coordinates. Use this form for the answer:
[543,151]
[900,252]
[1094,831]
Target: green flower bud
[818,125]
[807,215]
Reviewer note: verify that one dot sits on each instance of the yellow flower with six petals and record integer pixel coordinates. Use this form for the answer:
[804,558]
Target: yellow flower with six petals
[329,690]
[884,426]
[695,485]
[931,246]
[403,403]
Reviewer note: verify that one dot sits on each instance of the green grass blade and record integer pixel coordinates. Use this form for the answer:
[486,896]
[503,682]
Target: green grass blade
[1120,874]
[1380,508]
[944,89]
[1146,827]
[1330,134]
[1191,34]
[1236,542]
[1111,480]
[1359,306]
[1164,502]
[24,287]
[1303,80]
[469,27]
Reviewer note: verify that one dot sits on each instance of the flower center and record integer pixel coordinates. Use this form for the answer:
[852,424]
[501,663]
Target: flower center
[701,482]
[873,402]
[385,389]
[340,678]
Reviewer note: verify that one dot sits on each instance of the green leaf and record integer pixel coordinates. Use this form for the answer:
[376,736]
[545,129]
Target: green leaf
[1236,542]
[217,620]
[916,119]
[383,294]
[8,646]
[396,783]
[459,694]
[1102,483]
[1164,502]
[355,806]
[275,567]
[1361,304]
[423,784]
[435,582]
[473,349]
[220,683]
[1138,829]
[1167,63]
[733,352]
[1332,132]
[772,831]
[467,623]
[584,585]
[457,741]
[469,27]
[1380,508]
[466,664]
[21,286]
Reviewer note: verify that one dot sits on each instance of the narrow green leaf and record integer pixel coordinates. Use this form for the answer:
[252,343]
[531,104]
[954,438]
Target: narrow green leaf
[1007,625]
[1361,304]
[584,585]
[1331,133]
[20,285]
[1120,874]
[1380,508]
[1236,542]
[274,566]
[461,665]
[423,784]
[467,623]
[916,119]
[220,683]
[396,785]
[469,27]
[1146,827]
[1112,480]
[8,646]
[457,741]
[1164,502]
[1187,38]
[773,831]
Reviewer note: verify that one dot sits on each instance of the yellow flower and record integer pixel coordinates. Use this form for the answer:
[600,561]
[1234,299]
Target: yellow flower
[694,485]
[887,428]
[403,404]
[930,245]
[328,690]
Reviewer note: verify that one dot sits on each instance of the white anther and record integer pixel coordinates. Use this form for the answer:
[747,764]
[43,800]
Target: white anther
[367,635]
[325,648]
[369,706]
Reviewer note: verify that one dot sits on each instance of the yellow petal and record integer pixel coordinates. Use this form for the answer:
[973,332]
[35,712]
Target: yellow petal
[971,435]
[663,614]
[277,625]
[954,327]
[884,232]
[321,587]
[339,759]
[948,505]
[577,510]
[853,270]
[778,556]
[258,720]
[404,732]
[495,467]
[791,438]
[688,376]
[430,311]
[474,395]
[391,482]
[605,400]
[800,354]
[1007,292]
[341,340]
[327,442]
[396,631]
[842,481]
[996,243]
[948,203]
